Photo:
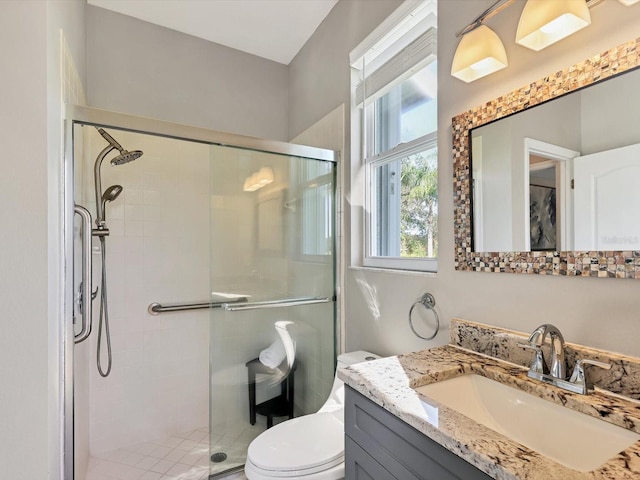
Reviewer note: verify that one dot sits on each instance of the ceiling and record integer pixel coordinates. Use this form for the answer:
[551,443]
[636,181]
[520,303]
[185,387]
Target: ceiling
[272,29]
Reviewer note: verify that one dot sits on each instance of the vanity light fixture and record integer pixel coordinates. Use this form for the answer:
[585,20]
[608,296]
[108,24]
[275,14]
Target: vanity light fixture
[480,51]
[545,22]
[628,3]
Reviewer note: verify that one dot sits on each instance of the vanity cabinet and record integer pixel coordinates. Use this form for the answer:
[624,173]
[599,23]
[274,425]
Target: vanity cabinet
[380,446]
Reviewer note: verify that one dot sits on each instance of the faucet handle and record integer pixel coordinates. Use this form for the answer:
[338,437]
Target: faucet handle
[580,378]
[537,364]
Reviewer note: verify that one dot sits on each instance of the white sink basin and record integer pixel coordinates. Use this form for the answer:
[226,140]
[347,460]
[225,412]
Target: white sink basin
[573,439]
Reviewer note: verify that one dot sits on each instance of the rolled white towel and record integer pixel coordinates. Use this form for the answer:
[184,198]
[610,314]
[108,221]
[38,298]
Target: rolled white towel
[273,355]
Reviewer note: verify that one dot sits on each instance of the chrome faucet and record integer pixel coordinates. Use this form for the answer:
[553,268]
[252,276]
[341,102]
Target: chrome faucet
[536,340]
[556,375]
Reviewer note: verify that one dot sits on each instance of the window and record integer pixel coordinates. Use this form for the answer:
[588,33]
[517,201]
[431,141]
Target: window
[395,92]
[317,206]
[310,203]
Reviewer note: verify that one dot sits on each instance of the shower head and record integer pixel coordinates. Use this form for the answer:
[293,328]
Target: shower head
[126,157]
[111,193]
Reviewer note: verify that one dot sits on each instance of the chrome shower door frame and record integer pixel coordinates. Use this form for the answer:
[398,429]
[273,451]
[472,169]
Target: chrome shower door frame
[75,114]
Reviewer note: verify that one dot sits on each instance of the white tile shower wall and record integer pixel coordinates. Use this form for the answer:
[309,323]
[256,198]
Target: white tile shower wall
[158,251]
[72,90]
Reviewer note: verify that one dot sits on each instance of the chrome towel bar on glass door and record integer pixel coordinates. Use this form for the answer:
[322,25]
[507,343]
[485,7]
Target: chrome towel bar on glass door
[288,302]
[156,308]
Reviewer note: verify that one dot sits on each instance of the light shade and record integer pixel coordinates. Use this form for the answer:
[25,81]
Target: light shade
[628,3]
[258,179]
[479,53]
[544,22]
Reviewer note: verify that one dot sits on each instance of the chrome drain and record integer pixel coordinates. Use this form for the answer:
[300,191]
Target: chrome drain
[218,457]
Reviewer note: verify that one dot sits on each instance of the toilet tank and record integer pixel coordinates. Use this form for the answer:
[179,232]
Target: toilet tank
[335,402]
[351,358]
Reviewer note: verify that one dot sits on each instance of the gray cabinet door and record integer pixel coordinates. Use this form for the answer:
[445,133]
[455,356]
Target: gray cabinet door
[401,450]
[360,466]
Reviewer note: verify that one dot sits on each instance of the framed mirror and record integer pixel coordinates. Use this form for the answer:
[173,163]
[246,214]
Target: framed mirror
[545,177]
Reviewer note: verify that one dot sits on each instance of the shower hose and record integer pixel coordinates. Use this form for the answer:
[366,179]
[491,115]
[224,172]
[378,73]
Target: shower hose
[104,316]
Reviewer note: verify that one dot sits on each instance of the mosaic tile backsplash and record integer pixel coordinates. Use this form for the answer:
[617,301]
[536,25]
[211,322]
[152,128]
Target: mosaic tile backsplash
[622,379]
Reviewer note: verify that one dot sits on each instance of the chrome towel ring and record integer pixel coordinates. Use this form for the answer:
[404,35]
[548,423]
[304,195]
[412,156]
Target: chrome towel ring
[428,302]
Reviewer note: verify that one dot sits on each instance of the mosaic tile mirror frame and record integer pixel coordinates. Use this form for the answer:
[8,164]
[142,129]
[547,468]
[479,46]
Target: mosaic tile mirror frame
[616,264]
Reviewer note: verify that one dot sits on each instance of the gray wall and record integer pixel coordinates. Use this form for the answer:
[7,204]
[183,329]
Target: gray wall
[597,312]
[143,69]
[30,122]
[599,131]
[319,75]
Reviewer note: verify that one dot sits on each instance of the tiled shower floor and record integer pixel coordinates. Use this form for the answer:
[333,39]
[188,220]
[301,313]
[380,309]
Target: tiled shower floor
[181,457]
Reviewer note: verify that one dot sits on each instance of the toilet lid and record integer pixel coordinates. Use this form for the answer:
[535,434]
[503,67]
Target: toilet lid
[300,444]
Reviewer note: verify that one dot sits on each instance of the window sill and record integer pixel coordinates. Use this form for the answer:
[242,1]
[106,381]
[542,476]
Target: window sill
[392,271]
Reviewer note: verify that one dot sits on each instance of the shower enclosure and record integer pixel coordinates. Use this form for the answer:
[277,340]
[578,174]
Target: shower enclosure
[220,247]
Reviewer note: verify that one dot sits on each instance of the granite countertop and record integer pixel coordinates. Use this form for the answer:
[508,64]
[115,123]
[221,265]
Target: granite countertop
[389,382]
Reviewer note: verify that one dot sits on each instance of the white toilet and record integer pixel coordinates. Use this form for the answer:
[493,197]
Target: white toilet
[310,447]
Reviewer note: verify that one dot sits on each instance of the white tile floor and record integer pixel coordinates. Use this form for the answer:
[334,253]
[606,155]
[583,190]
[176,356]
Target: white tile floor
[181,457]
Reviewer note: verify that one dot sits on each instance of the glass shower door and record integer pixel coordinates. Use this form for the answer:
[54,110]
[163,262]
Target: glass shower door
[272,344]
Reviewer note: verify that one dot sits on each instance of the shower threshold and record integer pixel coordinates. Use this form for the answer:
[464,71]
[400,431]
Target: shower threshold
[235,473]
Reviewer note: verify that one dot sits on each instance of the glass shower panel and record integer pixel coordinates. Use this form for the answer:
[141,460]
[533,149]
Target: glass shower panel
[153,407]
[273,272]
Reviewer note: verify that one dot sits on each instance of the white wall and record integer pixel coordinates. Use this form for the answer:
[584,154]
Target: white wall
[30,295]
[24,286]
[143,69]
[497,186]
[601,313]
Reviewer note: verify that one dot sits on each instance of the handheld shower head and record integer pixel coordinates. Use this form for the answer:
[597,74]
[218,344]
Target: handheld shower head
[109,195]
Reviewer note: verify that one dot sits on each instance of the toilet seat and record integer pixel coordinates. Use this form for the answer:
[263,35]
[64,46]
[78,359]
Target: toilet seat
[304,446]
[254,473]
